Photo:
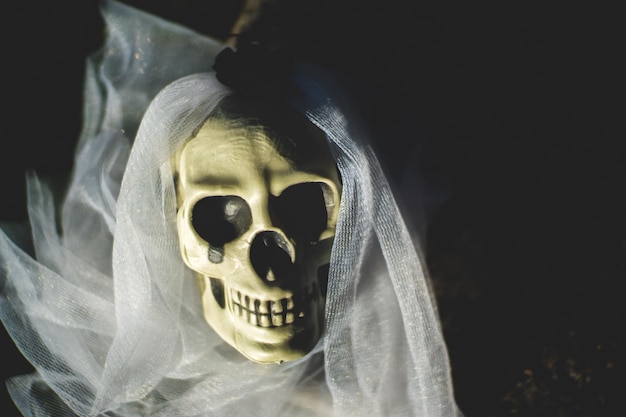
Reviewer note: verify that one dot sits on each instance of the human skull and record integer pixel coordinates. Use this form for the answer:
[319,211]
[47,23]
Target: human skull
[258,195]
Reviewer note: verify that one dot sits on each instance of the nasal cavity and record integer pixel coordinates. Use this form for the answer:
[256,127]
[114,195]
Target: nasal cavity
[270,255]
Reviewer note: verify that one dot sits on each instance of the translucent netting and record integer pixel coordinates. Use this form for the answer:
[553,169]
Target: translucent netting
[111,318]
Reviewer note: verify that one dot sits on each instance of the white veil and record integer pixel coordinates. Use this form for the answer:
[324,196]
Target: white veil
[110,317]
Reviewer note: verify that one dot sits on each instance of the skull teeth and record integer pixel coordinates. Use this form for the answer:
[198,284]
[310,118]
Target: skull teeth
[272,313]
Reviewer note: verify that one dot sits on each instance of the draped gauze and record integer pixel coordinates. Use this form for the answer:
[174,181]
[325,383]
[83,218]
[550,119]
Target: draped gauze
[110,317]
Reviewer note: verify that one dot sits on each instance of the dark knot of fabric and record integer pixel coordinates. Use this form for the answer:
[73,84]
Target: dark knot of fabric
[253,69]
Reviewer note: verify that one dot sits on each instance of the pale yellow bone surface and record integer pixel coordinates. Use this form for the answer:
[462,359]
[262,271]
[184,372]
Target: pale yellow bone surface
[241,173]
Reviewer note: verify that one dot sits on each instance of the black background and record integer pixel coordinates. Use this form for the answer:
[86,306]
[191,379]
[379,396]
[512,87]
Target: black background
[524,104]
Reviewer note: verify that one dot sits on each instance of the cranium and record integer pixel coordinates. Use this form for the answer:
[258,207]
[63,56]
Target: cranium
[258,195]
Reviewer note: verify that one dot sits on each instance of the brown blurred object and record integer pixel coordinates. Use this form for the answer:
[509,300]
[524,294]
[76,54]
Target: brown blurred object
[250,13]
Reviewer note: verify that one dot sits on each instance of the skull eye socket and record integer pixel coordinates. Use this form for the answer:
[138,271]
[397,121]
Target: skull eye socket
[301,212]
[220,219]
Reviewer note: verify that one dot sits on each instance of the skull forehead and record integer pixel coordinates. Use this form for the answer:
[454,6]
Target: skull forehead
[292,133]
[223,154]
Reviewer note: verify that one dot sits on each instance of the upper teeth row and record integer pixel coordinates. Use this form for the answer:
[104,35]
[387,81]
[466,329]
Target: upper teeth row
[268,313]
[261,306]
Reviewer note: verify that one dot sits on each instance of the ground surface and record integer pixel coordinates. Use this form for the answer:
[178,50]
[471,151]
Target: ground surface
[523,110]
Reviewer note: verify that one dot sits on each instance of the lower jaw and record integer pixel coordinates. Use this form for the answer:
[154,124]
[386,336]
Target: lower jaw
[266,345]
[276,345]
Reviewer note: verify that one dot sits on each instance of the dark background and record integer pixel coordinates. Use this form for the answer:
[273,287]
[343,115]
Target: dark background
[522,107]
